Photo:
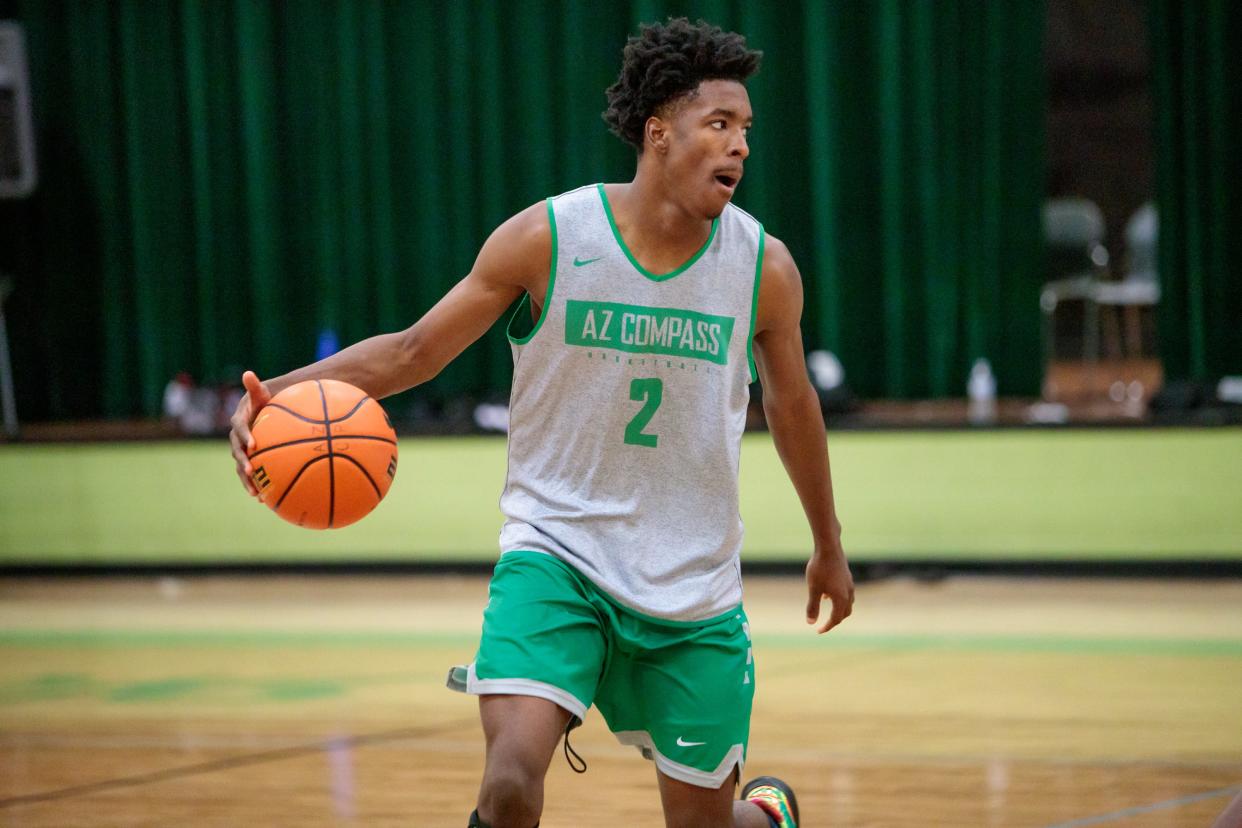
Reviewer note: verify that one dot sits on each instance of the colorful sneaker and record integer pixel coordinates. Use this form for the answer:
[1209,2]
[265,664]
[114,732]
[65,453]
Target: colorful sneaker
[775,798]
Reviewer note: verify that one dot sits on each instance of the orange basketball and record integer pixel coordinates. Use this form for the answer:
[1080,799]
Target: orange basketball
[324,454]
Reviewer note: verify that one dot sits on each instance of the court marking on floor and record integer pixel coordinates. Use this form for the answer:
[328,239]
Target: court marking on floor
[1166,805]
[244,760]
[610,748]
[62,686]
[972,698]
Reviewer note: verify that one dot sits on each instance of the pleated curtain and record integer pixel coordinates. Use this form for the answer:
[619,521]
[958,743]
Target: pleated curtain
[1197,84]
[224,181]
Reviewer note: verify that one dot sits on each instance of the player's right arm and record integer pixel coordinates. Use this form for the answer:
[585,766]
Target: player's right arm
[797,428]
[515,258]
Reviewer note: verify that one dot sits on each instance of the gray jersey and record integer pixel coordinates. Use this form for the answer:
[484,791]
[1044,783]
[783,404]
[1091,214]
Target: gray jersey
[628,405]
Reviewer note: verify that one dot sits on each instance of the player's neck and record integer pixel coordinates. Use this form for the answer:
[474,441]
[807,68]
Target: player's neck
[650,216]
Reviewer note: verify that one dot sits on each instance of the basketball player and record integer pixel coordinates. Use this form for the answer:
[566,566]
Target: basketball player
[647,309]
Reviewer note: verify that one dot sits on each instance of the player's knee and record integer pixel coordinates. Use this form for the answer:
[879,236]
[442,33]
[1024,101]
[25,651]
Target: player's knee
[704,818]
[687,806]
[511,796]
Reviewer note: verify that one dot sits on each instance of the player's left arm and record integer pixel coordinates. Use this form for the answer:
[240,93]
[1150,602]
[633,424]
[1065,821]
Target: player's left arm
[797,427]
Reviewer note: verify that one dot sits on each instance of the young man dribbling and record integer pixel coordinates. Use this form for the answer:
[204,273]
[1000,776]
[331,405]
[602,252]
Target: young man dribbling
[648,308]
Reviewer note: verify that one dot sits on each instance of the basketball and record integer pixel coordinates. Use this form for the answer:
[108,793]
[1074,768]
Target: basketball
[324,454]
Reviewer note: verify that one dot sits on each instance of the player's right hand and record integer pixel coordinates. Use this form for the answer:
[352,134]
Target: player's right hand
[248,407]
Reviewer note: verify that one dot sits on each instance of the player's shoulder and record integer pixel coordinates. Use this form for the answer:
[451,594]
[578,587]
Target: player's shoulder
[780,287]
[518,251]
[778,262]
[526,230]
[733,213]
[777,266]
[586,191]
[534,224]
[527,235]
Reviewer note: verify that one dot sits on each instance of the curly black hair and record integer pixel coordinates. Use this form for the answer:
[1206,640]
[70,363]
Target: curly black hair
[665,63]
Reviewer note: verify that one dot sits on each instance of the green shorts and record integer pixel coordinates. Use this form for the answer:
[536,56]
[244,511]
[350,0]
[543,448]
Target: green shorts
[679,691]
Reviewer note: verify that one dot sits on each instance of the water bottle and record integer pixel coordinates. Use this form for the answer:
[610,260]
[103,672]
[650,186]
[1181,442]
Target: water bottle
[981,390]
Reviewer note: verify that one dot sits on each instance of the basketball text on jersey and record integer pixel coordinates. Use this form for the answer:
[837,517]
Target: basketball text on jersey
[637,329]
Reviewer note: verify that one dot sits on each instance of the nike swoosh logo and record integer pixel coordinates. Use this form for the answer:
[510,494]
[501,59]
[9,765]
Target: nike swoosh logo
[683,743]
[580,262]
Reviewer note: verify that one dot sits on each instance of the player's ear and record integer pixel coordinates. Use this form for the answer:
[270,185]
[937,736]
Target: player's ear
[655,132]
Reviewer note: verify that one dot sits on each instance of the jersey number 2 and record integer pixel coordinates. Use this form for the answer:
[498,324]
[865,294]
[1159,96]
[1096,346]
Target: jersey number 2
[651,393]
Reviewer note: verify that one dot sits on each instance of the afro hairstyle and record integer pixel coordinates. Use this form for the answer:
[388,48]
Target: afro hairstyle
[665,63]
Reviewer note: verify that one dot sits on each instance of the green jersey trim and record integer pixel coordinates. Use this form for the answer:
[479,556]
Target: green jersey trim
[522,314]
[754,308]
[621,243]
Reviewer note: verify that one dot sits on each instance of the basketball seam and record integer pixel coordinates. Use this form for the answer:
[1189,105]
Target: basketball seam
[365,474]
[349,413]
[298,477]
[293,413]
[325,420]
[327,427]
[320,439]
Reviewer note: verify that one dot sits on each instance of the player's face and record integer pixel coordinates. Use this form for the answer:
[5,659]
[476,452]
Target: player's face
[707,145]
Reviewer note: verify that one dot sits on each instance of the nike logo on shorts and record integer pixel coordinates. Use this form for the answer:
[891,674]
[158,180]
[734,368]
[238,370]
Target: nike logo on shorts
[683,743]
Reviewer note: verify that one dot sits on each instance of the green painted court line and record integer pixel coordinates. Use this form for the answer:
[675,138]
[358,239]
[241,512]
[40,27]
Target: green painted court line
[240,638]
[95,639]
[223,688]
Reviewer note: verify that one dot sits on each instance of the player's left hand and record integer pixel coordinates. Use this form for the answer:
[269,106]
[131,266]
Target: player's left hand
[248,407]
[828,576]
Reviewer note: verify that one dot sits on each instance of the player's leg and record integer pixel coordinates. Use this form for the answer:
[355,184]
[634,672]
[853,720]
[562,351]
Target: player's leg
[539,659]
[684,698]
[522,733]
[692,806]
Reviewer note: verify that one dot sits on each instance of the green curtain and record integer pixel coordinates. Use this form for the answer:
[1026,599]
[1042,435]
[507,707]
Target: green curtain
[223,180]
[1197,82]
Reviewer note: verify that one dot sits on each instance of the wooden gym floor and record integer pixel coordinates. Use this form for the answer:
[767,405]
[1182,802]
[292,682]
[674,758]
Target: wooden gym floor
[320,701]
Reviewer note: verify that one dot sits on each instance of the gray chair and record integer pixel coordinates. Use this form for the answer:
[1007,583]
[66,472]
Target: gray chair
[1077,262]
[1138,289]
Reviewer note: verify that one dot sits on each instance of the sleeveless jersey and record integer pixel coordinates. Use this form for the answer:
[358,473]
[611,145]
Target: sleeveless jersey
[626,416]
